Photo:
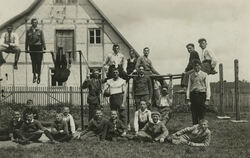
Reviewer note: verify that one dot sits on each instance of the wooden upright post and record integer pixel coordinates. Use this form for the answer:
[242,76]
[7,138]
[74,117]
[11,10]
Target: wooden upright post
[221,107]
[82,120]
[236,87]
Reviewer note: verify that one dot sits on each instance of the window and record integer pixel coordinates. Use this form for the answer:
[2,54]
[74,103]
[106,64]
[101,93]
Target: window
[59,1]
[95,36]
[53,81]
[72,2]
[62,2]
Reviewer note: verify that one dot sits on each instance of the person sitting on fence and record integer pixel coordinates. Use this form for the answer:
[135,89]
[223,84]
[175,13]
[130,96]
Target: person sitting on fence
[97,128]
[197,135]
[59,130]
[142,87]
[31,130]
[115,128]
[94,86]
[131,62]
[60,63]
[142,117]
[153,131]
[30,109]
[15,124]
[9,43]
[165,105]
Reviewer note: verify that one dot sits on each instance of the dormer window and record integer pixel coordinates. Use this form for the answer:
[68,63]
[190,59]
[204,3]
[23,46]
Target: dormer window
[63,2]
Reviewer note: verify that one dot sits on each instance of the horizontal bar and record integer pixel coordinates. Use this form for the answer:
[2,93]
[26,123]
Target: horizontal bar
[28,51]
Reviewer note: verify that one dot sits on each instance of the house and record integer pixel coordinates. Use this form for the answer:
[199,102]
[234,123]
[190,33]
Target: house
[71,24]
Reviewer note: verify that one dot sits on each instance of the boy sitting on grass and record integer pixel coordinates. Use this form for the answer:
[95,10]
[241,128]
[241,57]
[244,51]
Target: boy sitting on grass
[115,128]
[14,125]
[154,131]
[142,117]
[31,130]
[197,135]
[97,128]
[30,109]
[68,118]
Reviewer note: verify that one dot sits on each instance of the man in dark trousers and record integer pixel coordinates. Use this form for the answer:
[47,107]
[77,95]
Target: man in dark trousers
[94,86]
[142,87]
[35,42]
[192,55]
[198,92]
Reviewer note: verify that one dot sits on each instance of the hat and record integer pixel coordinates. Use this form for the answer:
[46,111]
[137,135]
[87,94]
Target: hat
[155,113]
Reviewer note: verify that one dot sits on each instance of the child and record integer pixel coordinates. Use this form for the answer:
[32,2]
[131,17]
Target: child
[14,125]
[197,135]
[97,127]
[30,109]
[142,117]
[155,130]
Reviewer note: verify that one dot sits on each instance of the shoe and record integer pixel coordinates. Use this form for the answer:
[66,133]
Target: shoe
[15,67]
[34,78]
[38,80]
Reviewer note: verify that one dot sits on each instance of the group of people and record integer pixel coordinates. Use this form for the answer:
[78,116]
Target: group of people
[35,46]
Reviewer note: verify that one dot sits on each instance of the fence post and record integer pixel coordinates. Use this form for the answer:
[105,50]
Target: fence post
[221,107]
[70,96]
[236,88]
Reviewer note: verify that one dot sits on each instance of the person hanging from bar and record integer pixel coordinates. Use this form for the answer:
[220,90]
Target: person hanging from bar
[61,71]
[9,44]
[35,44]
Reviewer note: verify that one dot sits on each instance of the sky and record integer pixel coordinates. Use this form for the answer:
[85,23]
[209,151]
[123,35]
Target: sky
[166,26]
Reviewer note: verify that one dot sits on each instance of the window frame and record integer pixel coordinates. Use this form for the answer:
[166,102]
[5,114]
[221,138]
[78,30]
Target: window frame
[95,36]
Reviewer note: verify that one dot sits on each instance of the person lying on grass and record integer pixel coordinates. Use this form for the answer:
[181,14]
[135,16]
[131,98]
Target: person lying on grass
[197,135]
[97,128]
[59,130]
[115,128]
[142,117]
[10,133]
[154,131]
[31,130]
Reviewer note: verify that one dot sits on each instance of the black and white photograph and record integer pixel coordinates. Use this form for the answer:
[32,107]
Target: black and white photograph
[124,78]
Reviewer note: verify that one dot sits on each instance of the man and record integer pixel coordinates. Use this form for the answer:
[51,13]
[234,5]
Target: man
[146,62]
[155,130]
[59,130]
[30,109]
[115,60]
[118,89]
[35,42]
[142,87]
[31,130]
[142,117]
[9,43]
[131,62]
[14,125]
[208,59]
[192,55]
[197,135]
[94,86]
[198,92]
[115,128]
[97,128]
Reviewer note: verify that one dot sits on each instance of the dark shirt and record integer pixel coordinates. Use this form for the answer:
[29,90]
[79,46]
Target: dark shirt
[29,127]
[34,37]
[115,128]
[30,110]
[60,125]
[131,65]
[99,127]
[156,129]
[15,125]
[193,55]
[95,89]
[142,85]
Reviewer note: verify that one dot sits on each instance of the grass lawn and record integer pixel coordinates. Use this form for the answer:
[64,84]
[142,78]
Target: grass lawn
[228,140]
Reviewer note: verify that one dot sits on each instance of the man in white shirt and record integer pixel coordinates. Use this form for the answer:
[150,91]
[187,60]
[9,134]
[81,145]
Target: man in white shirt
[115,60]
[208,59]
[9,44]
[117,88]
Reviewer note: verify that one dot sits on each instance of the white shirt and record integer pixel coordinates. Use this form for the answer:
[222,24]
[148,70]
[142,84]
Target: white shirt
[165,101]
[116,86]
[14,39]
[207,54]
[141,116]
[69,118]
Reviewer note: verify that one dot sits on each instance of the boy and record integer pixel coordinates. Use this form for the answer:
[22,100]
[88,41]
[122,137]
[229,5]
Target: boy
[197,135]
[14,125]
[142,117]
[30,109]
[31,130]
[155,130]
[115,128]
[97,127]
